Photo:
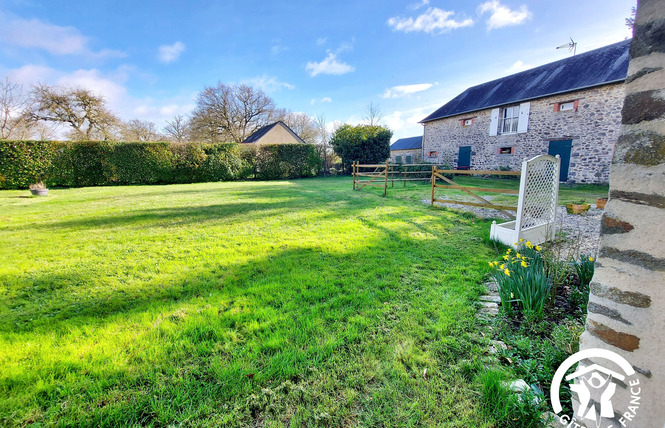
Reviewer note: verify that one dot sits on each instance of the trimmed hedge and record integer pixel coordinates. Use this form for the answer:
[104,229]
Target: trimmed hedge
[283,161]
[100,163]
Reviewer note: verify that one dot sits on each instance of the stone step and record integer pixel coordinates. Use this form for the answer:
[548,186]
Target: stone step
[491,298]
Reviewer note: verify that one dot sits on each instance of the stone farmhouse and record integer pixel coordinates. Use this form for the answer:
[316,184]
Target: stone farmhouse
[571,107]
[406,150]
[275,133]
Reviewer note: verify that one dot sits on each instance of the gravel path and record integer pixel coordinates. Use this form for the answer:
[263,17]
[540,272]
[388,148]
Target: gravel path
[585,227]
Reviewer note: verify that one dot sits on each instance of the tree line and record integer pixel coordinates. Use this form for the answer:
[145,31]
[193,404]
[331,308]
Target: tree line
[223,113]
[228,113]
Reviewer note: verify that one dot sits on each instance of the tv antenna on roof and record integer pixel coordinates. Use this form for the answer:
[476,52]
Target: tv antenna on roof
[572,46]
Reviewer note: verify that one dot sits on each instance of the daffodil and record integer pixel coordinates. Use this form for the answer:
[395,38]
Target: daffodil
[507,272]
[529,245]
[590,259]
[522,240]
[524,264]
[509,250]
[506,257]
[518,255]
[502,267]
[538,248]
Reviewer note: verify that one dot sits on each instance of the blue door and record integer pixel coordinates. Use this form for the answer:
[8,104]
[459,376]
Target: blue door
[464,158]
[562,148]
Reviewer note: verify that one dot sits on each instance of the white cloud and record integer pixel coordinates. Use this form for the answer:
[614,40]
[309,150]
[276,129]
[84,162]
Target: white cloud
[322,100]
[55,39]
[434,20]
[518,66]
[502,16]
[170,53]
[402,90]
[418,5]
[329,65]
[321,41]
[268,83]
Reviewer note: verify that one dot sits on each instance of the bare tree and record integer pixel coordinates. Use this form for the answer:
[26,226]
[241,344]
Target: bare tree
[177,129]
[324,140]
[373,114]
[42,131]
[14,122]
[82,110]
[630,21]
[140,130]
[303,125]
[230,112]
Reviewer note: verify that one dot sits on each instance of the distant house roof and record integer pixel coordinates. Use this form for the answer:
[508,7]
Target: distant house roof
[259,133]
[608,64]
[407,143]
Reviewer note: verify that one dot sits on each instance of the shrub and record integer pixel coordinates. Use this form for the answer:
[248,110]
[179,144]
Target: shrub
[282,161]
[24,162]
[101,163]
[363,143]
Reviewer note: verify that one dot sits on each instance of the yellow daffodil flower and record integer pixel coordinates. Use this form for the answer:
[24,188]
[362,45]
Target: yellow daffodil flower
[502,267]
[538,248]
[507,272]
[524,264]
[590,259]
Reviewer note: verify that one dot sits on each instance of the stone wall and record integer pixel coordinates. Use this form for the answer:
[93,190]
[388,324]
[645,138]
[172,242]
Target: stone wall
[593,129]
[627,302]
[416,155]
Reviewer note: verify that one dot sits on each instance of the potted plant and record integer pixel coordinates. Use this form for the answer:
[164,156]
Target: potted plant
[577,207]
[38,189]
[600,203]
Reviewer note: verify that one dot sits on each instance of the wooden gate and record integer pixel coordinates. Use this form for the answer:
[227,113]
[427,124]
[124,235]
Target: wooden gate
[376,178]
[439,174]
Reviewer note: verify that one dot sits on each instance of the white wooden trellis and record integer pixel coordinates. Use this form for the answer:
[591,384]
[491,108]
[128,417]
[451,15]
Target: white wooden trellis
[537,204]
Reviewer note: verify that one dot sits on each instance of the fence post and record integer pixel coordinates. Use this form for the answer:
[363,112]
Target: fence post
[353,172]
[433,183]
[385,180]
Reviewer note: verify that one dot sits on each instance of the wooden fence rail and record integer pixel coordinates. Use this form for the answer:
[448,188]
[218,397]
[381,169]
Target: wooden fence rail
[438,174]
[378,175]
[382,173]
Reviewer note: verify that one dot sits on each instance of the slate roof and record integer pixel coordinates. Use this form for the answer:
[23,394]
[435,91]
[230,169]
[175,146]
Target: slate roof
[265,129]
[407,143]
[608,64]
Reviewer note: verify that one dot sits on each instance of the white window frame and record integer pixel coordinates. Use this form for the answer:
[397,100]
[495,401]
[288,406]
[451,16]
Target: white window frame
[509,122]
[567,106]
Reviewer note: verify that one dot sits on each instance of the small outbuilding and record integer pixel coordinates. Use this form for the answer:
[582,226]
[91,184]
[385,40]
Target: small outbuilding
[406,150]
[275,133]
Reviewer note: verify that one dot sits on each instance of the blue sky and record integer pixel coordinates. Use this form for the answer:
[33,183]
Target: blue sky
[332,58]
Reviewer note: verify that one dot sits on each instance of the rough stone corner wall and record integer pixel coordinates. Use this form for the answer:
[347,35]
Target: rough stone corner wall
[627,302]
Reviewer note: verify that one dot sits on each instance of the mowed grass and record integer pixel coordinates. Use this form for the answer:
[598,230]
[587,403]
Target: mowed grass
[289,303]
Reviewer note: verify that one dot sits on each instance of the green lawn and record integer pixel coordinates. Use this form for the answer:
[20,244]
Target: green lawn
[296,303]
